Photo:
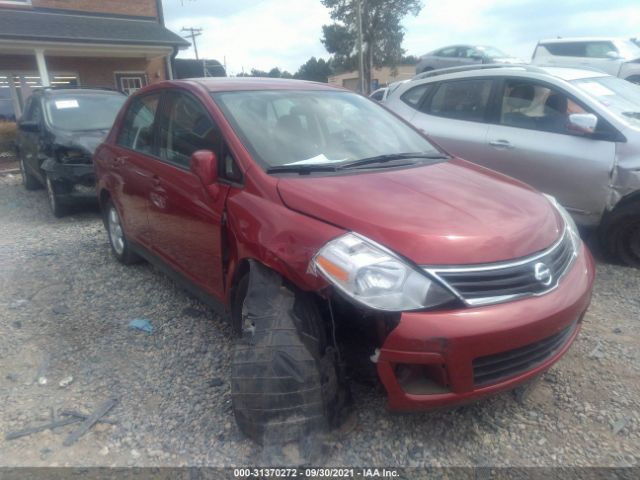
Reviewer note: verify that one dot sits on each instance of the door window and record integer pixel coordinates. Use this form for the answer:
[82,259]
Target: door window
[526,104]
[186,128]
[33,112]
[462,100]
[414,96]
[447,52]
[137,129]
[599,49]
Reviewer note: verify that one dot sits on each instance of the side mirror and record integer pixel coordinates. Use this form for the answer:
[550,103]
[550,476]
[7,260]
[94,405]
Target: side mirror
[204,164]
[477,56]
[613,55]
[29,126]
[584,123]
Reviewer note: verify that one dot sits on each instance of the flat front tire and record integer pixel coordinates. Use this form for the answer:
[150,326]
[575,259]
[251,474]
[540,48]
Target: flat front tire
[284,381]
[620,234]
[117,239]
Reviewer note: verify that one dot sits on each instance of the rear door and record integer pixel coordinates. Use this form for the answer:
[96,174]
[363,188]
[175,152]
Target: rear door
[454,113]
[530,141]
[186,221]
[129,161]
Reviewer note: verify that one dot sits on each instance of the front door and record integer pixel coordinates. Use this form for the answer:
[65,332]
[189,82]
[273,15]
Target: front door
[185,220]
[531,142]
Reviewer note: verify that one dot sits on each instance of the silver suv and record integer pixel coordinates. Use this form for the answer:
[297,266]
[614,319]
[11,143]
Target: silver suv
[574,134]
[615,56]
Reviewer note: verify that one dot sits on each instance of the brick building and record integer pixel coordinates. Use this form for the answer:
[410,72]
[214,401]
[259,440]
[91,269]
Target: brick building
[119,44]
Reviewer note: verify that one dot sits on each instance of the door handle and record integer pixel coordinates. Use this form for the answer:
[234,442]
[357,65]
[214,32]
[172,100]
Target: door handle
[502,144]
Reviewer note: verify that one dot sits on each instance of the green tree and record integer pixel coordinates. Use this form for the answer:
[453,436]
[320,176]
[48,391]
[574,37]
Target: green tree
[382,32]
[316,70]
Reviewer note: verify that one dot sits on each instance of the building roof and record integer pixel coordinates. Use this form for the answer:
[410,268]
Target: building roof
[76,28]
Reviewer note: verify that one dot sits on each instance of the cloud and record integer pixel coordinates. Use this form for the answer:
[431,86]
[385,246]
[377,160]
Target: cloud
[516,25]
[285,33]
[263,35]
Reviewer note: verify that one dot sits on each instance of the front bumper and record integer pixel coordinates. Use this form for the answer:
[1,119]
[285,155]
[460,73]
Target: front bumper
[427,361]
[71,181]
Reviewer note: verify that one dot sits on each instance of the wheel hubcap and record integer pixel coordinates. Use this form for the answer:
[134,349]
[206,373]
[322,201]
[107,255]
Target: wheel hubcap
[115,231]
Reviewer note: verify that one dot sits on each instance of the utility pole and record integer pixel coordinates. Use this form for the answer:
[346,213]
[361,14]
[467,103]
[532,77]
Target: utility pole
[193,33]
[360,52]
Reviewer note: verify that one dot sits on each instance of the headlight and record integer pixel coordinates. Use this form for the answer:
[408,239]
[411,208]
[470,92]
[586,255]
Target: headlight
[376,277]
[570,224]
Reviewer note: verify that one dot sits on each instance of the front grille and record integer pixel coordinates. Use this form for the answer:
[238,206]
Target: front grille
[498,282]
[501,366]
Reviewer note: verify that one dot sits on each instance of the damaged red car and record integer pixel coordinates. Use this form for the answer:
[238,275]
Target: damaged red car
[342,243]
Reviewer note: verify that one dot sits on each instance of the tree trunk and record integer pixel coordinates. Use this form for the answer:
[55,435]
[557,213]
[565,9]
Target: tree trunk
[368,69]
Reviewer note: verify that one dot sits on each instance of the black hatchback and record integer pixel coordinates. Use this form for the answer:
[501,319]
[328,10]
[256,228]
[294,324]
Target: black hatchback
[57,135]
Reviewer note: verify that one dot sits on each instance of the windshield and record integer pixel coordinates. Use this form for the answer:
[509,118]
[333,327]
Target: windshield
[290,127]
[627,49]
[83,111]
[492,52]
[620,96]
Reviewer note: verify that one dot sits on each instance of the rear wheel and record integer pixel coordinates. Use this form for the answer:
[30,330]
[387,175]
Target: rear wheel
[28,180]
[57,208]
[119,244]
[621,234]
[284,382]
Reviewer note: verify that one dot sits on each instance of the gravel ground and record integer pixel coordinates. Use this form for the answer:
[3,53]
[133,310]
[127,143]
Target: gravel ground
[65,304]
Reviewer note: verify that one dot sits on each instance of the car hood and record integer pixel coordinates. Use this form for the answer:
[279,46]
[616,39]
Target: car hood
[448,213]
[84,140]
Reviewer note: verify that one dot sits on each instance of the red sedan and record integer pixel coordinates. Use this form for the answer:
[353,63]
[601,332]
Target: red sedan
[341,241]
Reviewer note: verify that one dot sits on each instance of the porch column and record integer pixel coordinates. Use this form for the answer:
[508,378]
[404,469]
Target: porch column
[42,68]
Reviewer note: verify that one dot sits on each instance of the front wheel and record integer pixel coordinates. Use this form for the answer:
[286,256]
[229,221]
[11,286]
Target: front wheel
[119,244]
[284,381]
[620,234]
[57,208]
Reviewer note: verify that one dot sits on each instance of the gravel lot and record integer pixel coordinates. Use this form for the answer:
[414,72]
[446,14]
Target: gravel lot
[65,304]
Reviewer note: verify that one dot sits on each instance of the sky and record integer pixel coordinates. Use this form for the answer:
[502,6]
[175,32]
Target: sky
[264,34]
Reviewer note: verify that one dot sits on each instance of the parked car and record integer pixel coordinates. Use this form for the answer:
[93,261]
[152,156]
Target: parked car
[57,135]
[574,134]
[462,55]
[615,56]
[335,233]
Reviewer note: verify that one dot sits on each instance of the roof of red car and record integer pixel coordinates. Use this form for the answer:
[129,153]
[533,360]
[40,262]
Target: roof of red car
[219,84]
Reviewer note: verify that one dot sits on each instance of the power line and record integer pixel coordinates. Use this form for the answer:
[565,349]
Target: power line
[193,33]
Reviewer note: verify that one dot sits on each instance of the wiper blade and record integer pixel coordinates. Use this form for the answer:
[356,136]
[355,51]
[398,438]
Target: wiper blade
[301,169]
[391,157]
